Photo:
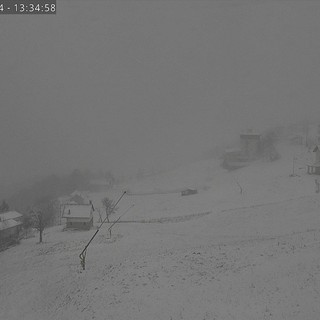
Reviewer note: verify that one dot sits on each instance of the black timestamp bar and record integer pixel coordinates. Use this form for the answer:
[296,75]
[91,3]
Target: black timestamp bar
[28,7]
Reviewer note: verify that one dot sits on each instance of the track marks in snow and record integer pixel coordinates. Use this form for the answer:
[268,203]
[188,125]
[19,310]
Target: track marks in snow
[226,271]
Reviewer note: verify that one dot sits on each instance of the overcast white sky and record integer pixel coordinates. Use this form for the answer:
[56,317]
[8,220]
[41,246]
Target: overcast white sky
[131,84]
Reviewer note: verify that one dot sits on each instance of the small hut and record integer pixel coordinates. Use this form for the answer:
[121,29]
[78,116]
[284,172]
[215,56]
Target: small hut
[188,192]
[314,168]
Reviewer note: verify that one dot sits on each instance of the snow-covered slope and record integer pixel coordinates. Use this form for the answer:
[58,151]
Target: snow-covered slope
[219,254]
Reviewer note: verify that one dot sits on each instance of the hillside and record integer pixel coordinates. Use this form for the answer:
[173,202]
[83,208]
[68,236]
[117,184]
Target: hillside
[219,254]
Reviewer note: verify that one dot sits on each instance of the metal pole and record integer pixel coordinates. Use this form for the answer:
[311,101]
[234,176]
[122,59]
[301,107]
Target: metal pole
[293,167]
[82,255]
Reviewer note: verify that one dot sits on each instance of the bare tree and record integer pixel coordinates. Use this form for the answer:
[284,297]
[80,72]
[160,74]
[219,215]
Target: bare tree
[4,207]
[39,222]
[109,206]
[43,214]
[110,180]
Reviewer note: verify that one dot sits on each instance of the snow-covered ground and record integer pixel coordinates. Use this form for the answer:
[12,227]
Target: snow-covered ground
[219,254]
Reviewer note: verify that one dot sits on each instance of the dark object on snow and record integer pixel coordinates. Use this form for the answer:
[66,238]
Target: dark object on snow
[317,185]
[188,192]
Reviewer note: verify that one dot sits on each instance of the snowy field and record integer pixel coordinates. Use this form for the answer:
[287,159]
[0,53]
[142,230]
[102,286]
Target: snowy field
[220,254]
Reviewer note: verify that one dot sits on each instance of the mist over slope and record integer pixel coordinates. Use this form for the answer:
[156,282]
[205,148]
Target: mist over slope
[218,254]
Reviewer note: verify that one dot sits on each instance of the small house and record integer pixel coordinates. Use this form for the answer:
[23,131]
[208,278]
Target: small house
[234,159]
[314,168]
[78,216]
[10,227]
[316,151]
[313,134]
[250,144]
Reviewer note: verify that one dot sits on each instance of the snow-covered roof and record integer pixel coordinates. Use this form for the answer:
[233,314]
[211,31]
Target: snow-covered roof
[10,215]
[10,223]
[77,211]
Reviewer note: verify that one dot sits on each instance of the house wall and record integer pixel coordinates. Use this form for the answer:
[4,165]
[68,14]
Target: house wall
[82,224]
[317,156]
[250,146]
[233,156]
[9,234]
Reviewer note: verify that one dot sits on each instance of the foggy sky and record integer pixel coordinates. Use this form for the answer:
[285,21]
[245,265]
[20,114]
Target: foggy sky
[123,85]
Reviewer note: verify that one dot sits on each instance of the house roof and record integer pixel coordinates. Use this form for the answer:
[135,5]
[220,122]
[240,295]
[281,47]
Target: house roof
[77,211]
[10,215]
[10,223]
